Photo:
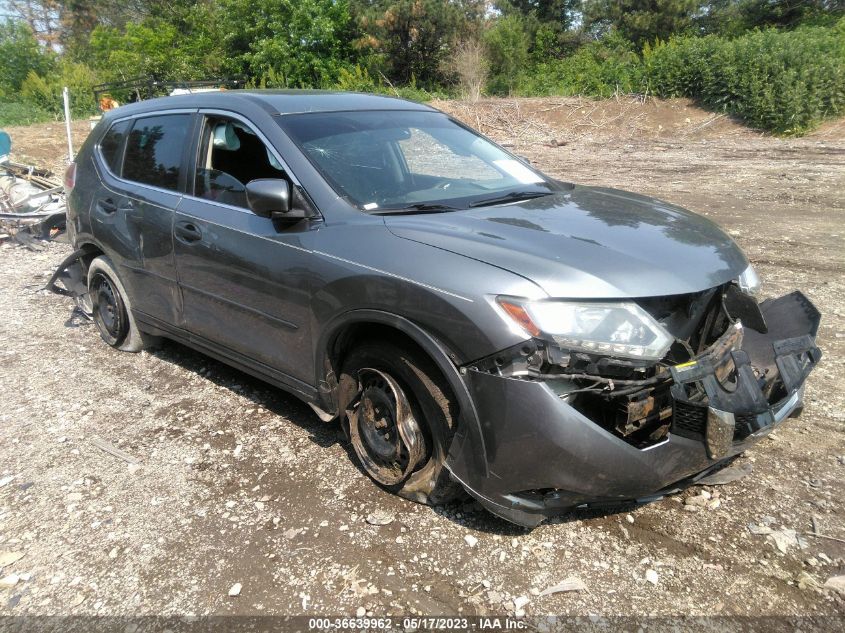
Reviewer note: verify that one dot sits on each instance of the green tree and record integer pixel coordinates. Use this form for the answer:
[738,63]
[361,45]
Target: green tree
[409,39]
[560,14]
[507,45]
[292,43]
[734,17]
[147,49]
[20,55]
[641,21]
[187,44]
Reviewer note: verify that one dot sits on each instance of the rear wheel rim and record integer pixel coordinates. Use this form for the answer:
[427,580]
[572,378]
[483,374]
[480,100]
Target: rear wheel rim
[384,432]
[109,311]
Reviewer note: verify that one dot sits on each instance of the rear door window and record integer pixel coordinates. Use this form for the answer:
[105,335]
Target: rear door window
[111,147]
[154,150]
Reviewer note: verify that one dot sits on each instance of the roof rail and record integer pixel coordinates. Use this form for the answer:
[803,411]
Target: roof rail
[107,95]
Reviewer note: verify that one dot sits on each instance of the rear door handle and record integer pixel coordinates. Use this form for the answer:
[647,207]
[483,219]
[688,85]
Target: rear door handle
[106,206]
[187,232]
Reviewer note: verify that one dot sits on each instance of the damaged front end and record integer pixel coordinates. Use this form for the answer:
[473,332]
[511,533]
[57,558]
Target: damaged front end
[726,372]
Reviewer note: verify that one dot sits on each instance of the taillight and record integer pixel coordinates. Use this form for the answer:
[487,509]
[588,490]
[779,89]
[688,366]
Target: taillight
[70,177]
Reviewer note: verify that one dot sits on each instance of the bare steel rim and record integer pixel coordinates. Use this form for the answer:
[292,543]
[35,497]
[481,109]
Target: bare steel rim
[109,311]
[384,433]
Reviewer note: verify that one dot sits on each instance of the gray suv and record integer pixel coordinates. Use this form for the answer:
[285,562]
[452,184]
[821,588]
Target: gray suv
[472,323]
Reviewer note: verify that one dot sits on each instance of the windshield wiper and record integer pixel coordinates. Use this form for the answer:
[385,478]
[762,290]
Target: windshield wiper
[510,197]
[419,207]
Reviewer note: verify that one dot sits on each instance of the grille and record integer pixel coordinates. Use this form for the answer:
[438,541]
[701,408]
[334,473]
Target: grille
[689,420]
[746,424]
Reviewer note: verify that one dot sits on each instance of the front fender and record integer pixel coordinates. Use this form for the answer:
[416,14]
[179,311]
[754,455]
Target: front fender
[468,434]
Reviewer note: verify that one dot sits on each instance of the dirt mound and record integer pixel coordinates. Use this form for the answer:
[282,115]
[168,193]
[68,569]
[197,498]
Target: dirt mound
[560,120]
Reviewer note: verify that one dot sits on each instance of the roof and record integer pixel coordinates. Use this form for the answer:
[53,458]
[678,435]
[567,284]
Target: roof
[296,101]
[279,101]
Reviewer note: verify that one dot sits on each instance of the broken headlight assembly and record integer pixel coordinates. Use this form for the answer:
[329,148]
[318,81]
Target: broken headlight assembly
[619,329]
[619,363]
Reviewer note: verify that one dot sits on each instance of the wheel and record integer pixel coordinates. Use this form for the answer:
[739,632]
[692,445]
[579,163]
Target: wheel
[401,418]
[112,310]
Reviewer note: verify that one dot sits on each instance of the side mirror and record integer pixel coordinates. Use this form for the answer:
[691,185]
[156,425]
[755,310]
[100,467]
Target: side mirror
[270,198]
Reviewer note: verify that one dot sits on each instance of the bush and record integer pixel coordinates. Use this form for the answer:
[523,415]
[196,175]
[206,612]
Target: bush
[17,113]
[783,81]
[358,79]
[45,93]
[786,82]
[597,69]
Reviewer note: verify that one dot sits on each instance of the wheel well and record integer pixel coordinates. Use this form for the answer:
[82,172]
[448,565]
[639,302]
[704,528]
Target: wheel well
[356,333]
[351,335]
[90,252]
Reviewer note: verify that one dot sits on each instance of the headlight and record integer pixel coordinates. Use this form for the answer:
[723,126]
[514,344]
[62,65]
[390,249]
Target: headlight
[613,329]
[748,281]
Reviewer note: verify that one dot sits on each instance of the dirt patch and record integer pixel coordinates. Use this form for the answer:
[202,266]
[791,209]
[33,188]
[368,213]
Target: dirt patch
[45,144]
[240,483]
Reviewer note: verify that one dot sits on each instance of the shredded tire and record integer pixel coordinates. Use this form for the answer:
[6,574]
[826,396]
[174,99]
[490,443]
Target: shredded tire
[434,408]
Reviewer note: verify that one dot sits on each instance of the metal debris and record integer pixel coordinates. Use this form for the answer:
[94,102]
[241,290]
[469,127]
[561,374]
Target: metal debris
[32,203]
[782,539]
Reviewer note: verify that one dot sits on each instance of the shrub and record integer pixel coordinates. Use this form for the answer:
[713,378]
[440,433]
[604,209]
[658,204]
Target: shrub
[470,67]
[17,113]
[45,93]
[356,79]
[597,69]
[783,81]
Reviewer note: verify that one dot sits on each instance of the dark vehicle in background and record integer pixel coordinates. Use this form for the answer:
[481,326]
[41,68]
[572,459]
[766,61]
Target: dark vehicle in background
[474,324]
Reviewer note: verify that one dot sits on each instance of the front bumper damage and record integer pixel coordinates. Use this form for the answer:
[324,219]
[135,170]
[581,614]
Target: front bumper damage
[543,456]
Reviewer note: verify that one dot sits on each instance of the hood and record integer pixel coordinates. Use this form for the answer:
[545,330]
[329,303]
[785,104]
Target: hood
[587,243]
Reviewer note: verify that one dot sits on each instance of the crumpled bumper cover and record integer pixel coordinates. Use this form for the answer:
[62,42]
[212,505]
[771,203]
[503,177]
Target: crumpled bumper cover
[542,457]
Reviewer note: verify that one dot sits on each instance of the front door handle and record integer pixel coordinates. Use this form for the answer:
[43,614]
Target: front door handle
[188,232]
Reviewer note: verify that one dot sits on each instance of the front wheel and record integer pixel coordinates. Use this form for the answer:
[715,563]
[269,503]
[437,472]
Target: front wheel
[401,417]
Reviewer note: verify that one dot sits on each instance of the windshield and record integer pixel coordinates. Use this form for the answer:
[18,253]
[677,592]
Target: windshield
[410,161]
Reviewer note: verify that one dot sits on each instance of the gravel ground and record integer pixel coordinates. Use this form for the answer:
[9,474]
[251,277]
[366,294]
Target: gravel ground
[239,483]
